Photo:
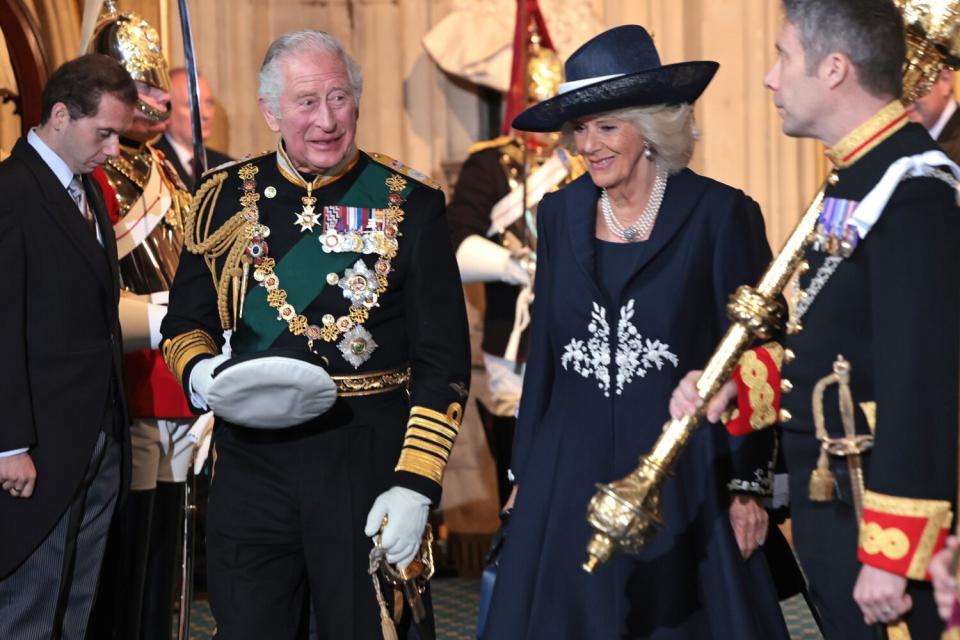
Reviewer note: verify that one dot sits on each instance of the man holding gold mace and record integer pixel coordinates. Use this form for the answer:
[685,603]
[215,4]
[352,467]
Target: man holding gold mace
[869,369]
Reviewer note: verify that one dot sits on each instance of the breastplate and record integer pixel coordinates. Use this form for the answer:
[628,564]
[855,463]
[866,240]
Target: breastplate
[151,265]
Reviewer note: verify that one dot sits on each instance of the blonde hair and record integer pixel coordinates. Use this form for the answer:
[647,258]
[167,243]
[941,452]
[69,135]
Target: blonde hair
[669,130]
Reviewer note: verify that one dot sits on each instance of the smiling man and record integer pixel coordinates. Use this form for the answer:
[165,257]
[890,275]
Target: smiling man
[65,429]
[319,253]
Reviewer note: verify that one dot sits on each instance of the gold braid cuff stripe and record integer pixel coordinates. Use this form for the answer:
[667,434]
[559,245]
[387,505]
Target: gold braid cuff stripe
[371,383]
[899,506]
[180,350]
[421,424]
[428,441]
[421,464]
[938,516]
[415,441]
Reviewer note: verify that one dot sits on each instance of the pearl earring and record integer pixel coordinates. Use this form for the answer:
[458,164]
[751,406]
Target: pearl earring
[648,152]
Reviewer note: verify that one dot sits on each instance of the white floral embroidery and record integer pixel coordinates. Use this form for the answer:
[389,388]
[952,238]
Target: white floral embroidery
[594,358]
[635,354]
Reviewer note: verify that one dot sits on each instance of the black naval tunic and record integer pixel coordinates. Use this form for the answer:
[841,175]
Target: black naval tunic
[891,310]
[288,507]
[482,184]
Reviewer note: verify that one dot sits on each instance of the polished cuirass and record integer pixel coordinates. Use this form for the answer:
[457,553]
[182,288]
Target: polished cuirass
[151,202]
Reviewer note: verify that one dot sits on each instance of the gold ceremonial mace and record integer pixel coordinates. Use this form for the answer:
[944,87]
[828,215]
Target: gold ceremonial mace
[625,514]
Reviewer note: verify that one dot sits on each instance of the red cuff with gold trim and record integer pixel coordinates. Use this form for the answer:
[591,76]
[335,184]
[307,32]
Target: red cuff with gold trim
[758,390]
[900,535]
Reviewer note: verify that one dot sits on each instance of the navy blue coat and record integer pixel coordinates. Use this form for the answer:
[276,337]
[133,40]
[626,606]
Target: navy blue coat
[595,397]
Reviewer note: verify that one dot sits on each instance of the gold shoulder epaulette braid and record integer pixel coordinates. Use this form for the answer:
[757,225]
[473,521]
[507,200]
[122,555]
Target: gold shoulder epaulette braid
[232,163]
[489,144]
[229,238]
[410,172]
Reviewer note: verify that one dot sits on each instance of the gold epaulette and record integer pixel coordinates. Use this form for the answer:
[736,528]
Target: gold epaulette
[229,238]
[490,144]
[399,167]
[230,163]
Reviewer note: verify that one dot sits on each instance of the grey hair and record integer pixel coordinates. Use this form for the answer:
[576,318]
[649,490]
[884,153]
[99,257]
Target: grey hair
[668,129]
[298,42]
[868,32]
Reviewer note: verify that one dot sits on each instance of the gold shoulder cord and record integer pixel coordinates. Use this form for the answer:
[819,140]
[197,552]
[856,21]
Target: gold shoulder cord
[230,238]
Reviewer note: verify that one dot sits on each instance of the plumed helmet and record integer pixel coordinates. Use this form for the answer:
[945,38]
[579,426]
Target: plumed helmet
[544,71]
[133,42]
[933,42]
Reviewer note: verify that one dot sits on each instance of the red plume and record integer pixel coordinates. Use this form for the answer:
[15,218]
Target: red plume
[528,14]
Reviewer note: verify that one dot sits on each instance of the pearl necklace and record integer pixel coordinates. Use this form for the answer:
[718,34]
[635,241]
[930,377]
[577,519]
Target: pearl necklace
[644,223]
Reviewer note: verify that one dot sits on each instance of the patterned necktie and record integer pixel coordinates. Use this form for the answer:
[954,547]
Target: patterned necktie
[75,189]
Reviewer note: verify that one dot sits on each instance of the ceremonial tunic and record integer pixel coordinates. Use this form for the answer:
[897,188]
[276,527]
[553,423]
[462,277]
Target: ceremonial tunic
[482,183]
[288,507]
[891,310]
[600,373]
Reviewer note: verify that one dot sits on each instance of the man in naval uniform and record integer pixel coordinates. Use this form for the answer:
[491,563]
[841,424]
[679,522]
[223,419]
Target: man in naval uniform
[869,362]
[318,252]
[149,202]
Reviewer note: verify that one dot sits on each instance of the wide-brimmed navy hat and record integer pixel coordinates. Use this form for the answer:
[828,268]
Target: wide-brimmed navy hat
[618,68]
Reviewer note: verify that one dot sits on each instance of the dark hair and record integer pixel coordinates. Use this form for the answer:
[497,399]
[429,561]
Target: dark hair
[869,32]
[80,83]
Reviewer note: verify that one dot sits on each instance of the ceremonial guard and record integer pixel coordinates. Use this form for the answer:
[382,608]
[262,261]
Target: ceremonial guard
[495,240]
[867,373]
[148,203]
[334,270]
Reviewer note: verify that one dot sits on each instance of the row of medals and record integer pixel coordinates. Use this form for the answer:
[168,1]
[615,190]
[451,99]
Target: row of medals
[360,284]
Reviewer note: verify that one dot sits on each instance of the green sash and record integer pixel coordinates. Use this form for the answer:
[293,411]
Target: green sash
[303,270]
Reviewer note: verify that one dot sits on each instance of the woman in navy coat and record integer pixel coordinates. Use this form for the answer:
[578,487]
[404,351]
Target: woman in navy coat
[635,264]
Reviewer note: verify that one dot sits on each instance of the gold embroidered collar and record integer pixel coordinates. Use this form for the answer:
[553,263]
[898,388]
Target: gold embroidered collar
[868,135]
[289,171]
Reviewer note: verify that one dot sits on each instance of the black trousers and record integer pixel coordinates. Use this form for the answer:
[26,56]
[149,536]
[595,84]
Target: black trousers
[285,523]
[825,535]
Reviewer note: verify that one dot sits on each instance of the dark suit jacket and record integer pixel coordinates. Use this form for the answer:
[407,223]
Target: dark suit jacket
[949,138]
[214,159]
[60,343]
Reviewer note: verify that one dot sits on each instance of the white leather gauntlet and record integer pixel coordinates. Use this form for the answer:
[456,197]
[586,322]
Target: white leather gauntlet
[481,260]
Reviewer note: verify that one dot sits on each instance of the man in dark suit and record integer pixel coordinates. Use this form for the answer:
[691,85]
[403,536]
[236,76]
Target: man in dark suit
[64,434]
[177,142]
[937,111]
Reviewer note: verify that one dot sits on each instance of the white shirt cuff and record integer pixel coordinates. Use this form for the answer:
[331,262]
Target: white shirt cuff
[13,452]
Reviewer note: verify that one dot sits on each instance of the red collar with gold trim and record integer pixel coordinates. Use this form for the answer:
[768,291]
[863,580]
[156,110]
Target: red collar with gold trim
[868,135]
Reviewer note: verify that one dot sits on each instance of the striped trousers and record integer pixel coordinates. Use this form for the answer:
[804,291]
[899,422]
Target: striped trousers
[49,596]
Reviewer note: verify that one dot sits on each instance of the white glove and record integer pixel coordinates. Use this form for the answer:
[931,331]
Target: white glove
[201,377]
[406,512]
[481,260]
[140,320]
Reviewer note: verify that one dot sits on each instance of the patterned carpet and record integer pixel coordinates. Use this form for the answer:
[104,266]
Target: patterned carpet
[455,600]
